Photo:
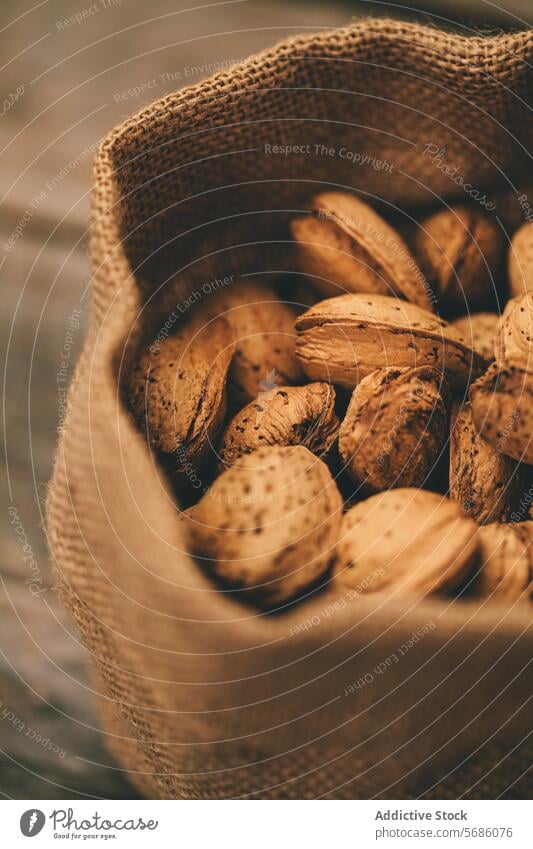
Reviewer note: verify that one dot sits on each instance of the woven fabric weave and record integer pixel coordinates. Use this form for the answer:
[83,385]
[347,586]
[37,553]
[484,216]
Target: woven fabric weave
[200,696]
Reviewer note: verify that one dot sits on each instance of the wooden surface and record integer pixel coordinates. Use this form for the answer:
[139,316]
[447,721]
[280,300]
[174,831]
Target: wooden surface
[66,85]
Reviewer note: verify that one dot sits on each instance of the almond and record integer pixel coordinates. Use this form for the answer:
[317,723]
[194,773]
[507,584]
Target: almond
[395,427]
[459,250]
[343,245]
[513,344]
[520,260]
[506,561]
[502,411]
[301,296]
[510,213]
[270,524]
[263,327]
[483,481]
[177,389]
[344,339]
[478,331]
[409,542]
[290,415]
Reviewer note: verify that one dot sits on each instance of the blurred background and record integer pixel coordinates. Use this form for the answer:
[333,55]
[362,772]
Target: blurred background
[70,72]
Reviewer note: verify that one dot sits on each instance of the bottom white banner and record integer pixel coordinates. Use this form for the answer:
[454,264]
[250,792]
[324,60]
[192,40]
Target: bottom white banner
[264,824]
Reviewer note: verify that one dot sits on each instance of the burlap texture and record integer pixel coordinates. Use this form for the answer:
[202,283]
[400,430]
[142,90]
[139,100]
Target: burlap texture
[202,697]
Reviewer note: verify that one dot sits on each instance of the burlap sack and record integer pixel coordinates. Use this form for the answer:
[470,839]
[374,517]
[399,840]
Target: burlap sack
[202,697]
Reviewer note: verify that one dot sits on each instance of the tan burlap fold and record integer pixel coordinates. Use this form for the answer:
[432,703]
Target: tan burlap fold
[200,695]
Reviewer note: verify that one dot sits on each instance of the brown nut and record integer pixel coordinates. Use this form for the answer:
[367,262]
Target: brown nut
[513,344]
[395,427]
[344,339]
[290,415]
[177,389]
[459,250]
[409,542]
[269,525]
[510,213]
[478,330]
[345,246]
[263,327]
[506,561]
[485,483]
[520,260]
[502,411]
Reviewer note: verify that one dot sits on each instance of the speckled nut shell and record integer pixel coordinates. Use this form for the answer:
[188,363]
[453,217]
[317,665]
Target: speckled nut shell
[484,482]
[290,415]
[505,568]
[520,260]
[478,330]
[407,542]
[459,250]
[269,525]
[263,327]
[344,339]
[343,245]
[502,411]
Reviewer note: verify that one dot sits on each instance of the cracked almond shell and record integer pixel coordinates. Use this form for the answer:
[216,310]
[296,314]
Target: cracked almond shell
[502,411]
[344,339]
[459,250]
[269,525]
[407,542]
[484,482]
[177,389]
[395,427]
[520,260]
[505,568]
[345,246]
[290,415]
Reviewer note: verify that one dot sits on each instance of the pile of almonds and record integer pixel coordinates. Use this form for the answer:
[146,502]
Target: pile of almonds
[377,436]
